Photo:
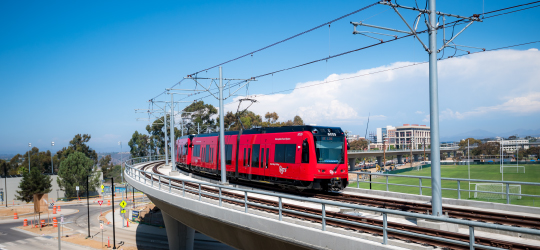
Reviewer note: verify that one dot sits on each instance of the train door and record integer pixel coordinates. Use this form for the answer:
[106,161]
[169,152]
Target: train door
[245,162]
[265,157]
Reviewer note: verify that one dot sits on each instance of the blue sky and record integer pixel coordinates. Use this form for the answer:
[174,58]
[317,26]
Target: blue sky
[71,67]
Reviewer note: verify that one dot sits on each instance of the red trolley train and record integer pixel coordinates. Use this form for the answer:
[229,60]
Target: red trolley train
[299,157]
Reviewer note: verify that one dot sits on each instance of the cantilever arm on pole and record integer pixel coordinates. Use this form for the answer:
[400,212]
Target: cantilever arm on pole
[411,29]
[452,39]
[207,89]
[247,82]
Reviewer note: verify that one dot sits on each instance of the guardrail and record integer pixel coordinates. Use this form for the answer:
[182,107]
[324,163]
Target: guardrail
[139,176]
[458,182]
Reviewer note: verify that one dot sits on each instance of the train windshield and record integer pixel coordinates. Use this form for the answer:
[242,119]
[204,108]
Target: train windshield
[329,149]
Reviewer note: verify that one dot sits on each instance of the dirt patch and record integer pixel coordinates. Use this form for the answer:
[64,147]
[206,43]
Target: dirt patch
[49,229]
[80,239]
[9,211]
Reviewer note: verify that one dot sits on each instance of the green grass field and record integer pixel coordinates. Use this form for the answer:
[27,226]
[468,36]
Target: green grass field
[484,172]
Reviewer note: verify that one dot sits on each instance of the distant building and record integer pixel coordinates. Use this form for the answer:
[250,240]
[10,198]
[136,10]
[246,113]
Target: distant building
[512,145]
[400,137]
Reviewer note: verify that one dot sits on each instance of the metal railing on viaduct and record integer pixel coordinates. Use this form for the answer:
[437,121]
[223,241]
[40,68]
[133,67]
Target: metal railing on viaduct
[237,217]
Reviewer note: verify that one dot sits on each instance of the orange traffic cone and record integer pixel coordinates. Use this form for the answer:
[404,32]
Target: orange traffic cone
[108,202]
[54,210]
[127,223]
[15,216]
[43,223]
[108,242]
[59,209]
[55,222]
[25,224]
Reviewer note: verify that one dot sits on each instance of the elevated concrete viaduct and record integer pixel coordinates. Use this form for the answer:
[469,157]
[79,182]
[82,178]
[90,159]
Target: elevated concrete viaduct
[231,225]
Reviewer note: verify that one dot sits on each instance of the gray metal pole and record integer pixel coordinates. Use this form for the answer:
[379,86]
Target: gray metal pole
[166,150]
[172,131]
[436,196]
[221,129]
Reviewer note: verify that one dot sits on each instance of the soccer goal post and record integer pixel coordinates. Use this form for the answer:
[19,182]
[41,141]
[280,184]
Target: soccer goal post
[496,191]
[512,169]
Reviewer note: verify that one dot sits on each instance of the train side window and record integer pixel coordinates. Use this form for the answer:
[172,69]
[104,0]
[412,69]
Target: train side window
[305,151]
[196,150]
[267,156]
[245,157]
[228,154]
[249,156]
[255,156]
[279,153]
[290,153]
[207,151]
[262,158]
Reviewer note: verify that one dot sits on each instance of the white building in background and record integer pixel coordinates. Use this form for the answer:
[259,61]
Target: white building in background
[512,145]
[419,135]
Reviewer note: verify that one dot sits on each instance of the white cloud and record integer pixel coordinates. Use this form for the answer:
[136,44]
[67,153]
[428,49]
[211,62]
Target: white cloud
[480,84]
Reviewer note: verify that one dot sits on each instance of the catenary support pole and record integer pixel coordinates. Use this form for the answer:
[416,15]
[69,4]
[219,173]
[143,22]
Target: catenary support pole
[221,129]
[436,196]
[172,132]
[166,150]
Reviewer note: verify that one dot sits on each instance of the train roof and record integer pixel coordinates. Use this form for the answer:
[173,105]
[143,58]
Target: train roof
[321,130]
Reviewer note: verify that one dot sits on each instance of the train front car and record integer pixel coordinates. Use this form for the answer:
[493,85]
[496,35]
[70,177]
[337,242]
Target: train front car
[326,149]
[183,150]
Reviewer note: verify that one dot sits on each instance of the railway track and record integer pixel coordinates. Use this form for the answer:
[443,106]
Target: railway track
[366,222]
[452,212]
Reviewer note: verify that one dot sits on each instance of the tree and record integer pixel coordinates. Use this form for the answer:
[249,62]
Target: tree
[73,172]
[271,118]
[248,118]
[490,148]
[33,183]
[360,144]
[199,114]
[78,144]
[463,143]
[138,145]
[297,121]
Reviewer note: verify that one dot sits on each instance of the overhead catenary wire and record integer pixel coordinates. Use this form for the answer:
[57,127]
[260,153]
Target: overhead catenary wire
[276,43]
[392,69]
[456,23]
[291,37]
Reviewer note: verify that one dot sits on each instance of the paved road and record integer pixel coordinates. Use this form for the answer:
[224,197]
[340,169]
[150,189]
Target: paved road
[15,239]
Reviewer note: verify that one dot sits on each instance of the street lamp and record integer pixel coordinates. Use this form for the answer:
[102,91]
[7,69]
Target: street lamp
[88,203]
[121,161]
[30,146]
[52,164]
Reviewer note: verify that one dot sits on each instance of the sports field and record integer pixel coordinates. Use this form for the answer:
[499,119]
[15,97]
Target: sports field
[484,172]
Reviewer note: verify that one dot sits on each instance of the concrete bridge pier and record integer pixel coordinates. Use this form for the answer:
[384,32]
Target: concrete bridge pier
[379,161]
[400,159]
[415,157]
[352,161]
[179,235]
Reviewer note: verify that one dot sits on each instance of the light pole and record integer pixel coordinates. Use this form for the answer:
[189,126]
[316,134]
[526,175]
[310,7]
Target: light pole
[29,151]
[121,161]
[52,164]
[88,203]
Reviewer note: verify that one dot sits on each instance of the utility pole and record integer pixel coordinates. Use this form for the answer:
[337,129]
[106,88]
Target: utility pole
[432,50]
[52,164]
[29,151]
[222,129]
[172,133]
[221,111]
[384,153]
